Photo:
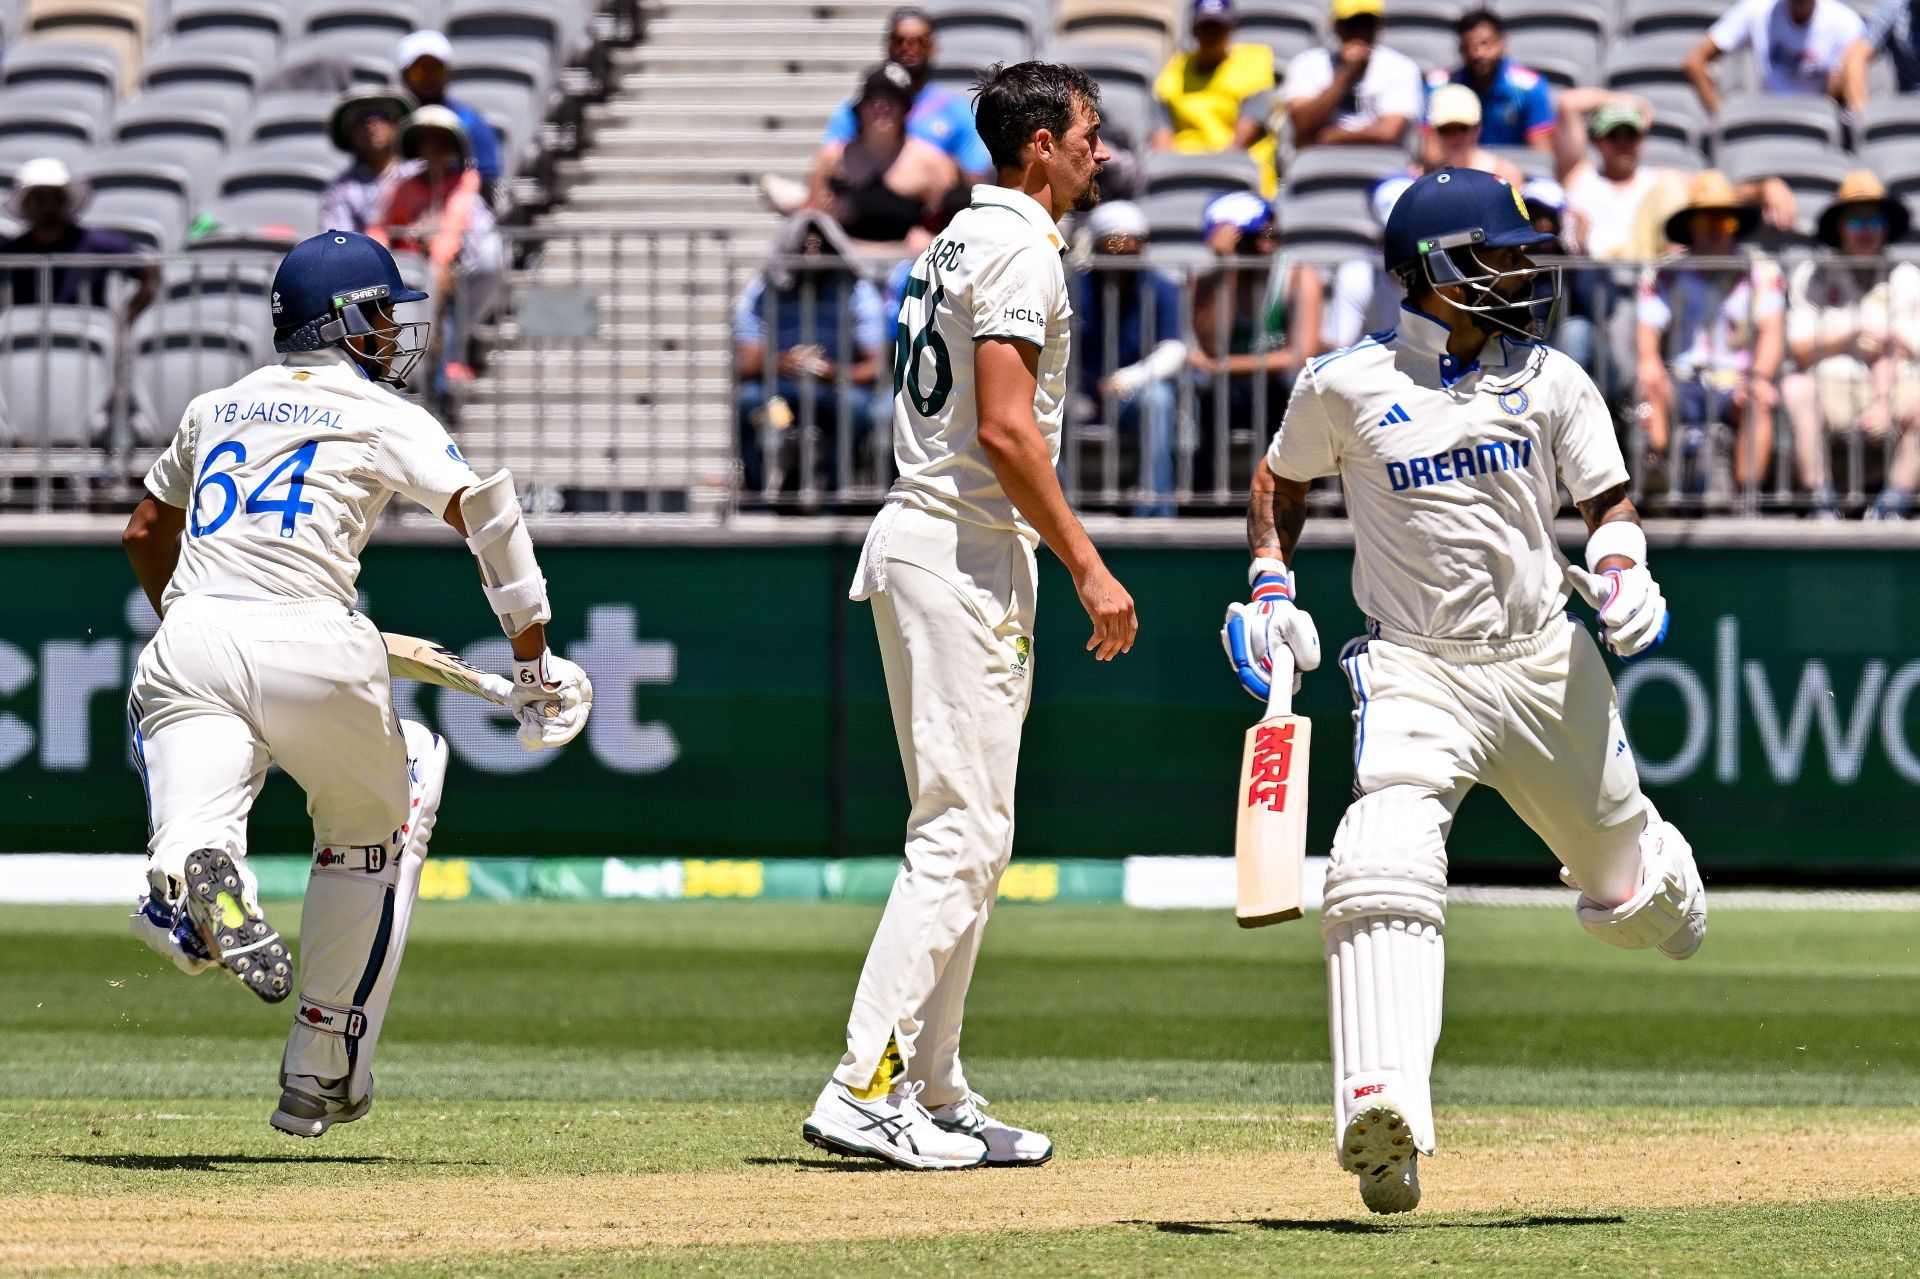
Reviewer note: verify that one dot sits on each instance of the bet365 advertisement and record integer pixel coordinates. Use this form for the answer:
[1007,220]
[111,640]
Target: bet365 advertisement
[740,711]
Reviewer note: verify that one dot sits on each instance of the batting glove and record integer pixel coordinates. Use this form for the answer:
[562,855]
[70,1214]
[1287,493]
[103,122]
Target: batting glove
[1633,614]
[551,698]
[1253,630]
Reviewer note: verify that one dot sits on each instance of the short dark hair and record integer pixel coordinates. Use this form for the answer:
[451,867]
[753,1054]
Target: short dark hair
[1011,103]
[1481,17]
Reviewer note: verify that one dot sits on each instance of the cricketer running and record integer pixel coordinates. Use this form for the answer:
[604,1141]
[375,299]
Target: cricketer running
[1451,434]
[248,543]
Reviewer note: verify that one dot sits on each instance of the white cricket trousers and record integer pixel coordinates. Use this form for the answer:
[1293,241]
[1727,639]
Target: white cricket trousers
[956,644]
[226,687]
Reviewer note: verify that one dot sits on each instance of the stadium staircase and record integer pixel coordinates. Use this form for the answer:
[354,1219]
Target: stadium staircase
[715,95]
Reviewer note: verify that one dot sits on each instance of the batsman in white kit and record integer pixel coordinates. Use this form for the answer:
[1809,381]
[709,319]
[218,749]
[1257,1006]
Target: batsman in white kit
[249,545]
[979,388]
[1451,434]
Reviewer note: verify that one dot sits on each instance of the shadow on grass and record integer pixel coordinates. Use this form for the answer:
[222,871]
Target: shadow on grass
[1340,1227]
[223,1163]
[818,1163]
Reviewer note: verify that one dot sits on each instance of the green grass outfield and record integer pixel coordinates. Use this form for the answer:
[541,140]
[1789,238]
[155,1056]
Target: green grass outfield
[662,1056]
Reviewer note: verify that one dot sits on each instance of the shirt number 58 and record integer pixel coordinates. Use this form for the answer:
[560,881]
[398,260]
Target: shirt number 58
[289,507]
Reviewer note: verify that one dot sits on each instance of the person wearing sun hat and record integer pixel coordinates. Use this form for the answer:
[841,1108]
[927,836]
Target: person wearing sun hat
[363,125]
[1852,329]
[49,200]
[435,208]
[1710,337]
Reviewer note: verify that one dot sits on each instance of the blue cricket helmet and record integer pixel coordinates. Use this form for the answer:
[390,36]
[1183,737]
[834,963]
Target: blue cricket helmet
[322,287]
[1437,227]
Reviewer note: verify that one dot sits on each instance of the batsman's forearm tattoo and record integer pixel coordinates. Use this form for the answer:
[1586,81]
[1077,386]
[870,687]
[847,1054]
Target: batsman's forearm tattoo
[1274,521]
[1606,507]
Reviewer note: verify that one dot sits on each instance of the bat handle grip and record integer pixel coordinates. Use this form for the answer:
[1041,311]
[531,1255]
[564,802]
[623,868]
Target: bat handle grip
[1280,696]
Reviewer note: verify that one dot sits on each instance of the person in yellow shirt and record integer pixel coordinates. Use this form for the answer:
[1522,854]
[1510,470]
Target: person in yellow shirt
[1218,95]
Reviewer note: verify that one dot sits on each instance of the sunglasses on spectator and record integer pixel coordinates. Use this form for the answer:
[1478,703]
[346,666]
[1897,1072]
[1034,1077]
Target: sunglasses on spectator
[1452,130]
[1622,137]
[926,40]
[1866,222]
[1725,223]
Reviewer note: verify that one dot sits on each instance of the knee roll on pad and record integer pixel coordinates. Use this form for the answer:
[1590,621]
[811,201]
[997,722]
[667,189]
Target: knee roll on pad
[1389,858]
[1670,897]
[497,535]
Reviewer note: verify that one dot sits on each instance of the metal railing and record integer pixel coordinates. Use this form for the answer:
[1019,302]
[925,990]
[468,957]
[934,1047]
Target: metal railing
[610,382]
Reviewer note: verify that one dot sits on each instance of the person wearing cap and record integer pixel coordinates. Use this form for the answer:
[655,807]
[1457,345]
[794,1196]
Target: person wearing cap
[1358,93]
[1516,104]
[1256,322]
[1608,187]
[883,184]
[937,114]
[1894,29]
[1853,328]
[433,207]
[1130,324]
[50,200]
[1799,47]
[1710,339]
[1218,95]
[1451,139]
[424,61]
[363,125]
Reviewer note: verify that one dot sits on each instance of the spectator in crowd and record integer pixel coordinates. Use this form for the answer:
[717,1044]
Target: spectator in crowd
[1587,297]
[363,125]
[1853,329]
[1516,105]
[937,116]
[885,182]
[50,200]
[1798,46]
[425,60]
[1256,321]
[1451,139]
[1130,349]
[1366,297]
[1711,338]
[1218,95]
[1358,93]
[1894,30]
[896,293]
[433,207]
[807,338]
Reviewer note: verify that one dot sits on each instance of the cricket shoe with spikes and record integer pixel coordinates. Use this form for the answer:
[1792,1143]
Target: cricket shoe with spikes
[168,934]
[1007,1146]
[1378,1148]
[222,905]
[309,1106]
[894,1127]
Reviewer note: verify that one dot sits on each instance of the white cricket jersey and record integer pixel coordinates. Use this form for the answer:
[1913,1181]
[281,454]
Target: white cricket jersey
[1450,474]
[283,473]
[994,272]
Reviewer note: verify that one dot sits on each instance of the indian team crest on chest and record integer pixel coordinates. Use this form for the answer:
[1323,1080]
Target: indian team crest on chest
[1513,403]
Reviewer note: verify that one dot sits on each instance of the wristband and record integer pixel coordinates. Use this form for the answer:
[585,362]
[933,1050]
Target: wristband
[1271,579]
[1620,537]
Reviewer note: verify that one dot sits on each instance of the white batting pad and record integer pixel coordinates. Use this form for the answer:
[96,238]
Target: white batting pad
[1384,978]
[1669,909]
[353,932]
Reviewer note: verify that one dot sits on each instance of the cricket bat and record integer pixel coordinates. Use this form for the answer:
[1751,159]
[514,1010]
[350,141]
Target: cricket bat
[1270,842]
[428,662]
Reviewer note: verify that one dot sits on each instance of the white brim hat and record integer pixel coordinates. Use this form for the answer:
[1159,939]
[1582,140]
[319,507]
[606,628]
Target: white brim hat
[48,171]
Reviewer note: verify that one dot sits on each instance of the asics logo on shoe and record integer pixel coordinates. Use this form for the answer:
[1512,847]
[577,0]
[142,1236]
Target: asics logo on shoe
[891,1128]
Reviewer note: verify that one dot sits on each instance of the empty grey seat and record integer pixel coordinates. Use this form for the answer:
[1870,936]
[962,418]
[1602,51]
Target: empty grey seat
[335,62]
[1422,15]
[983,46]
[1126,113]
[530,27]
[25,117]
[265,194]
[204,60]
[1213,173]
[181,124]
[1327,227]
[1289,20]
[1531,161]
[1560,72]
[1434,48]
[64,73]
[1775,115]
[1650,59]
[398,18]
[173,362]
[1677,113]
[188,16]
[1890,117]
[1656,17]
[1593,17]
[131,188]
[1341,169]
[56,374]
[1566,56]
[1897,161]
[1105,61]
[1672,153]
[1810,169]
[293,118]
[1174,217]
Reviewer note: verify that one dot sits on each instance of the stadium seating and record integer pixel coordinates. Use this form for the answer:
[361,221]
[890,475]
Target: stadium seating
[1659,58]
[1320,169]
[177,360]
[56,374]
[1146,23]
[118,27]
[83,76]
[1216,173]
[1328,227]
[1689,18]
[1768,115]
[188,16]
